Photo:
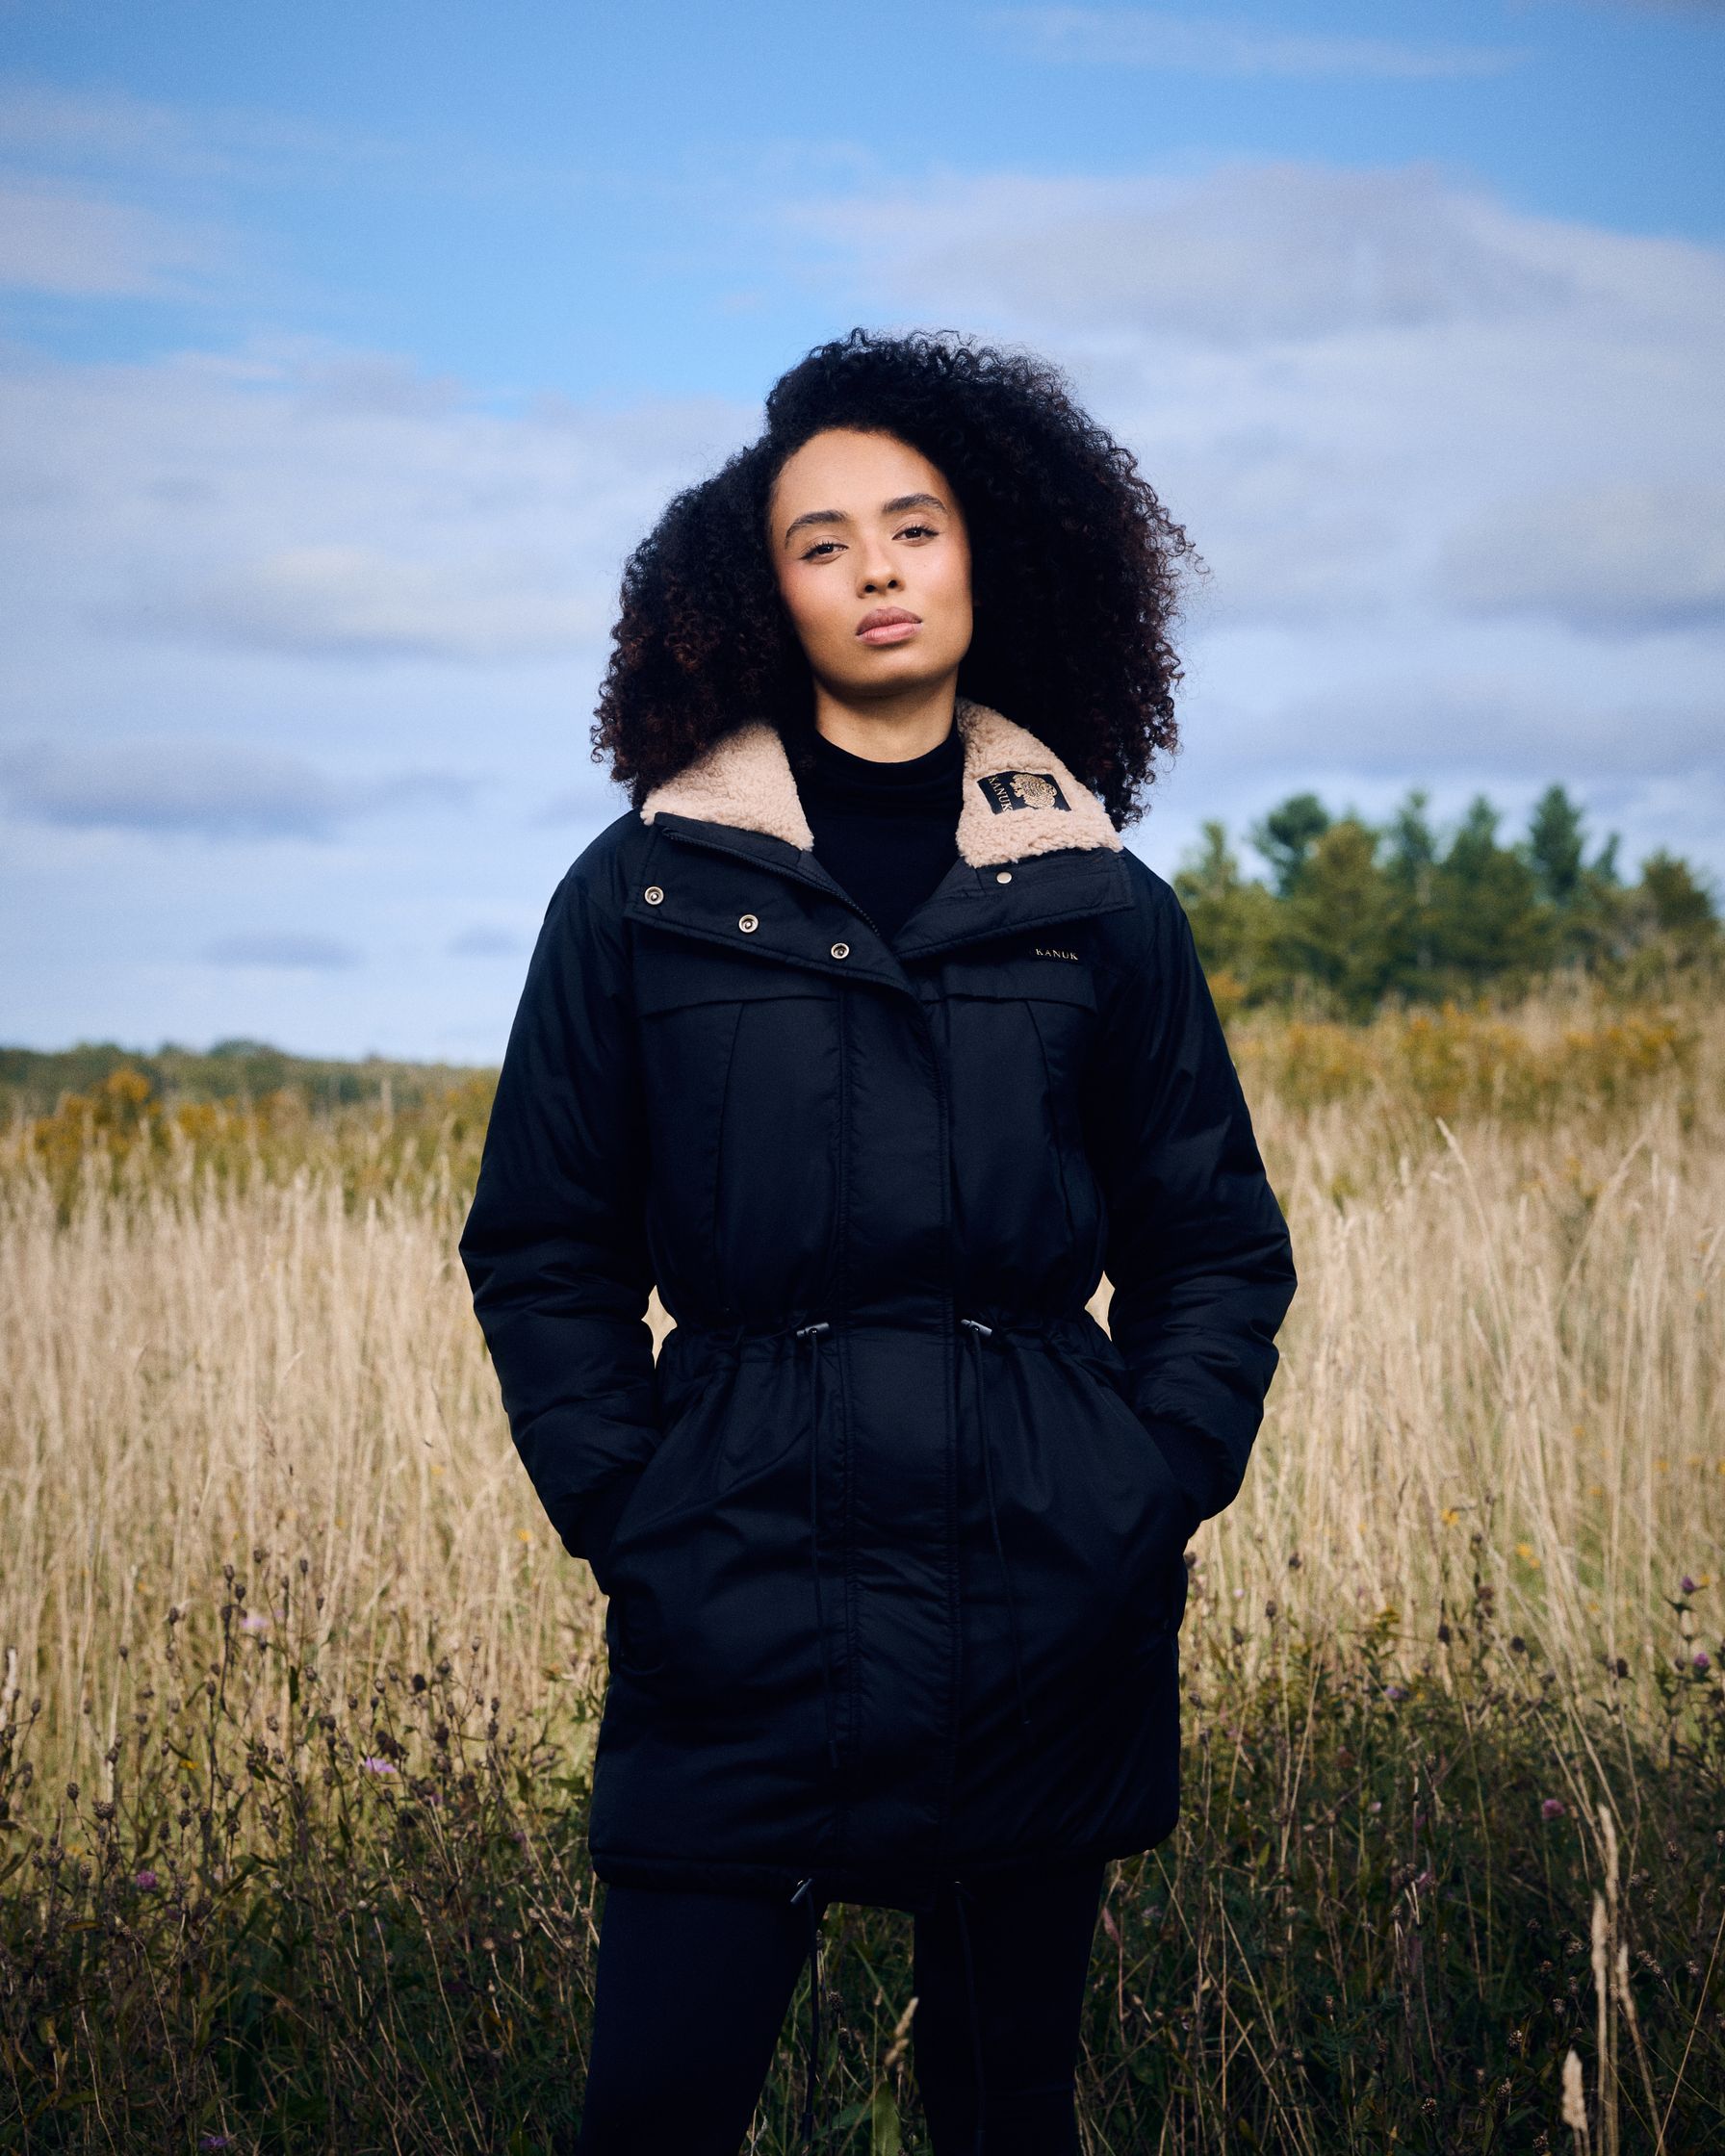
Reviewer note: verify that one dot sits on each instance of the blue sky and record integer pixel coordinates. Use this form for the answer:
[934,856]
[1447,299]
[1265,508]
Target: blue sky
[344,350]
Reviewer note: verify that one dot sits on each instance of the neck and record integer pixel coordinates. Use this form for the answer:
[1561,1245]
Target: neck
[889,728]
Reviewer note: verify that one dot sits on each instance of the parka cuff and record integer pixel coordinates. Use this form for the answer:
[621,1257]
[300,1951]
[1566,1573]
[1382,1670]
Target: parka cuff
[1191,1464]
[586,1523]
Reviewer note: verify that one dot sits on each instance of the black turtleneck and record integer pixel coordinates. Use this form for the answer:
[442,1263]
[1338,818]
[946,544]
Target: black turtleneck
[883,831]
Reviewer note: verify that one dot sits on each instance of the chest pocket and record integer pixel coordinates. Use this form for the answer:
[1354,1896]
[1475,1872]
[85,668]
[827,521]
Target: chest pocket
[1018,1033]
[740,1060]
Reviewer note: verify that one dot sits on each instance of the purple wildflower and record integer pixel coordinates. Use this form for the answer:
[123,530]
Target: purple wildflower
[1686,1585]
[145,1879]
[1553,1808]
[1703,1662]
[377,1767]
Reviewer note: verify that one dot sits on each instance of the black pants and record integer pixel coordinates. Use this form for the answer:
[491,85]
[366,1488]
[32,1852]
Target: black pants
[692,1992]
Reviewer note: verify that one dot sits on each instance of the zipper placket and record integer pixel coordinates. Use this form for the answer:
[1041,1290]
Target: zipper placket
[949,1311]
[949,1300]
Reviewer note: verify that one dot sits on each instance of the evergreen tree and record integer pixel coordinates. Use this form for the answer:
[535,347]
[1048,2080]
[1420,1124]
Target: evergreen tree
[1555,846]
[1287,835]
[1411,866]
[1358,914]
[1681,902]
[1233,917]
[1487,921]
[1340,918]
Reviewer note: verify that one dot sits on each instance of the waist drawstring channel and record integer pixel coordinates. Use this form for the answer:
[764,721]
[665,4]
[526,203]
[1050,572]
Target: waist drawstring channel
[811,1333]
[975,1332]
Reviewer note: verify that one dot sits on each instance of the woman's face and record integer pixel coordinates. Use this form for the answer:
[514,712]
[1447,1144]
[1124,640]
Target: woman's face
[874,562]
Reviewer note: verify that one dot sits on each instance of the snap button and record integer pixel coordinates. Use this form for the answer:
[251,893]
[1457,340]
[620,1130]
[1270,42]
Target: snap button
[1004,876]
[841,949]
[748,923]
[653,894]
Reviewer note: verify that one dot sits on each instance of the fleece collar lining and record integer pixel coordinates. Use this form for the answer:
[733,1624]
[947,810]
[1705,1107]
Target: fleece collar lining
[744,779]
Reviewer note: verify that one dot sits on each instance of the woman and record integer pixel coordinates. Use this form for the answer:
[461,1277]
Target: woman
[862,1036]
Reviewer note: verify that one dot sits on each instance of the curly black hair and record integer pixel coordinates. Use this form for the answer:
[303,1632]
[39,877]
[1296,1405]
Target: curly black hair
[1075,569]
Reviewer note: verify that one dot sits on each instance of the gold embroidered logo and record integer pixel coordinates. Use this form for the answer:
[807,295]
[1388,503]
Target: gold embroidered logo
[1022,789]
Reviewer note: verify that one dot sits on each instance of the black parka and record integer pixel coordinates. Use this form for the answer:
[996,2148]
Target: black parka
[892,1530]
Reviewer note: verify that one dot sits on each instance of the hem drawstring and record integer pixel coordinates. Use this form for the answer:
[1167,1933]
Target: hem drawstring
[975,1333]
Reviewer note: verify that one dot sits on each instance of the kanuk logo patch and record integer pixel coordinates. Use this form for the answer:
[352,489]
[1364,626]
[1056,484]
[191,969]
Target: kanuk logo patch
[1022,789]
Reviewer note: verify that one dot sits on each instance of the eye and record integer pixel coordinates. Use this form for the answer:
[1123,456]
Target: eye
[919,531]
[819,550]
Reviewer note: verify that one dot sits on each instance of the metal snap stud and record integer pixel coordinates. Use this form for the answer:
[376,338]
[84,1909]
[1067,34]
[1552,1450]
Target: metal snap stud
[748,923]
[1003,876]
[653,894]
[841,949]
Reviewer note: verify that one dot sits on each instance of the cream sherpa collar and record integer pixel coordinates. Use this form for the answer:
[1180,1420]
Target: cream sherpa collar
[1019,797]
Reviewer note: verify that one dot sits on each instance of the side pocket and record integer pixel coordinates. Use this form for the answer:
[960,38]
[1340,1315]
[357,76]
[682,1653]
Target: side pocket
[1162,1583]
[682,1400]
[1112,1376]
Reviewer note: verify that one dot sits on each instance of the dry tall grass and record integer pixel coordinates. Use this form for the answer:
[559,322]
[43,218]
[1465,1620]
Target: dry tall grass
[1505,1355]
[273,1584]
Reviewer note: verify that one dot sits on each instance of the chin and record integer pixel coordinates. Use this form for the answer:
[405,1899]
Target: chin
[913,672]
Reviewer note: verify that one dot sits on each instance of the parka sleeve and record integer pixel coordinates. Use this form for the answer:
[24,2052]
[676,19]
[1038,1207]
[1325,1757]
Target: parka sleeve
[555,1243]
[1199,1257]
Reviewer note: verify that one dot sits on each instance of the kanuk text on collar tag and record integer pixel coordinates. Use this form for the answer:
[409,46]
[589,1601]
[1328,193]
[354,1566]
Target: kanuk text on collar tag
[1022,789]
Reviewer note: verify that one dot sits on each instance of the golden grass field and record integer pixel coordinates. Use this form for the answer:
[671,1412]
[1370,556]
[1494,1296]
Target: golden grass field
[242,1337]
[1510,1328]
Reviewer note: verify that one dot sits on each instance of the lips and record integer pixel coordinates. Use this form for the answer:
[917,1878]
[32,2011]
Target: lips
[887,624]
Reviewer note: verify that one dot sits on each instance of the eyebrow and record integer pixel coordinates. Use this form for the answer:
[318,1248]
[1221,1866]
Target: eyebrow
[895,507]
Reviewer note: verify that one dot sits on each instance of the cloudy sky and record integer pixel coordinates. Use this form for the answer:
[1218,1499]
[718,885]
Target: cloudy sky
[344,350]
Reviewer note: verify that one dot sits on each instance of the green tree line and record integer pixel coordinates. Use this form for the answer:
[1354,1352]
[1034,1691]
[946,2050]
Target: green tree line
[1354,913]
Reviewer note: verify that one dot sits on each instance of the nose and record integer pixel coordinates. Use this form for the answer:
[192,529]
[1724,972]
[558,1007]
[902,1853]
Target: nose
[875,573]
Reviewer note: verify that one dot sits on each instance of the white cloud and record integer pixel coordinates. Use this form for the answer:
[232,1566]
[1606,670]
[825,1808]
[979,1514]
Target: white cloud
[1252,253]
[283,949]
[359,601]
[75,244]
[1502,726]
[1612,559]
[1706,8]
[1146,37]
[324,505]
[484,942]
[211,788]
[52,128]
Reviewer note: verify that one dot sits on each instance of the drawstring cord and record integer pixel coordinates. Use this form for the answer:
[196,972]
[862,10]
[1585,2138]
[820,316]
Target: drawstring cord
[812,1334]
[974,1333]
